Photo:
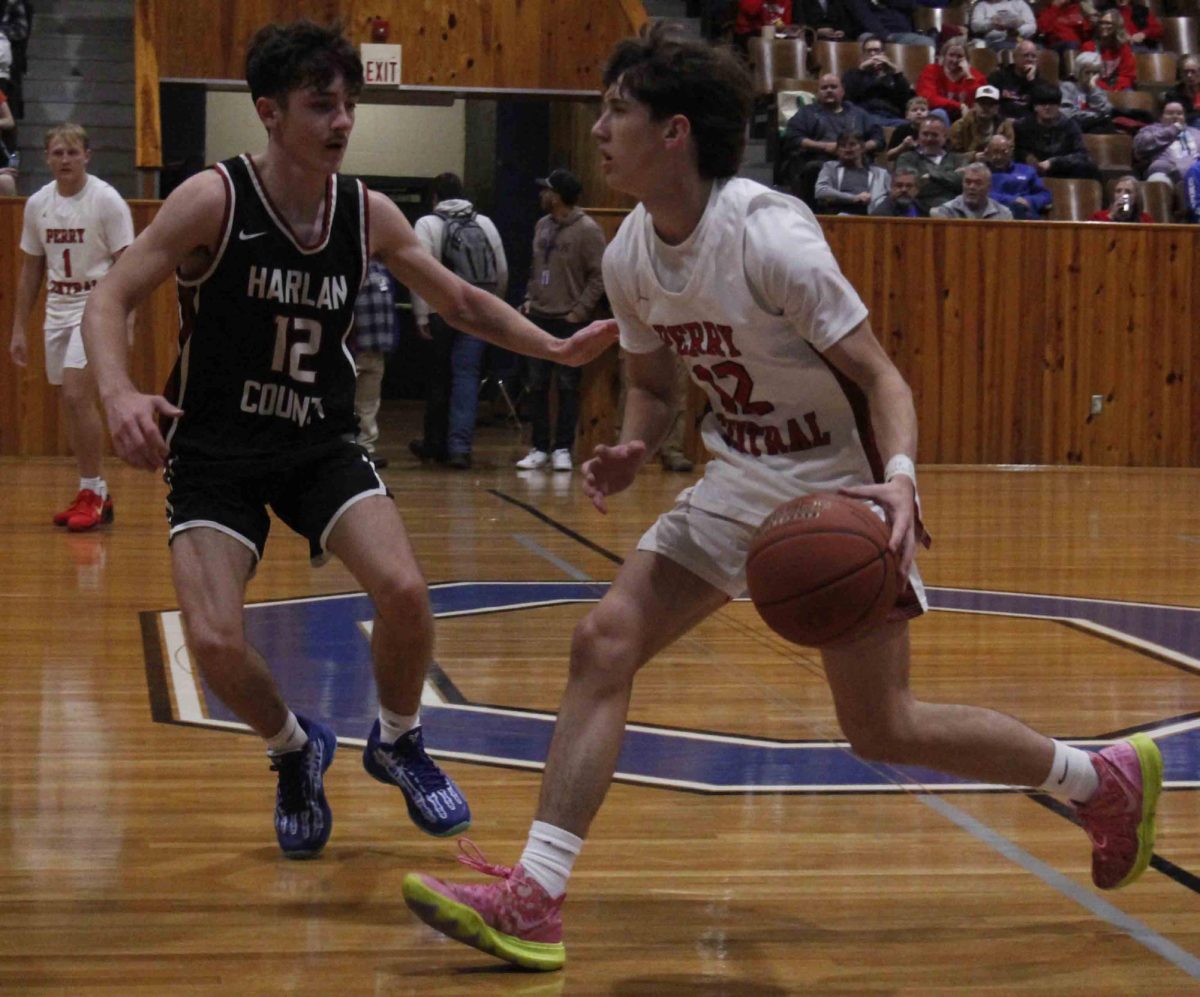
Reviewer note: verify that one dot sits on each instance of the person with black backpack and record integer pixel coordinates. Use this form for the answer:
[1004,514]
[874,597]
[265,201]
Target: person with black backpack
[468,244]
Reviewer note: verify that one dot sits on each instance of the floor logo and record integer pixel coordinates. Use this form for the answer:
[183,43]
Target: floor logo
[319,653]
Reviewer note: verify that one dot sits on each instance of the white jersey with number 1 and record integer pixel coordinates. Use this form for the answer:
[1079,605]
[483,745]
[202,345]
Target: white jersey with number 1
[78,235]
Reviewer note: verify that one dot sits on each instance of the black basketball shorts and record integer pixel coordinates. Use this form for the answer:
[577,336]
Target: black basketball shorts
[309,495]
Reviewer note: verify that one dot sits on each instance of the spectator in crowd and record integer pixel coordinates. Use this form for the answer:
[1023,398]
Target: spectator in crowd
[1168,149]
[848,185]
[563,294]
[1050,141]
[890,20]
[1015,185]
[1187,87]
[8,173]
[828,19]
[1126,204]
[14,27]
[810,139]
[1118,68]
[1083,100]
[904,137]
[970,133]
[950,83]
[1066,24]
[939,170]
[877,86]
[901,201]
[375,336]
[467,243]
[1143,27]
[1002,23]
[754,15]
[1191,193]
[1016,81]
[974,201]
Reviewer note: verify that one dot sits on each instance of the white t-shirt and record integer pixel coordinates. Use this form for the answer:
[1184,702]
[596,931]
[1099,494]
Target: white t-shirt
[749,301]
[78,235]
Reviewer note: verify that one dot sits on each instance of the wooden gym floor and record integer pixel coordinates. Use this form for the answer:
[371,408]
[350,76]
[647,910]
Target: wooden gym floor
[137,855]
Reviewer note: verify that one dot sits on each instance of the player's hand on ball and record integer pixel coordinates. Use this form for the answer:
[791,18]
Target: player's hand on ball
[610,470]
[898,499]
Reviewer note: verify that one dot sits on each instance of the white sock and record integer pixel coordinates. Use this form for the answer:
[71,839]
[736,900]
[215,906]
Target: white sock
[1072,776]
[97,485]
[549,856]
[291,737]
[393,726]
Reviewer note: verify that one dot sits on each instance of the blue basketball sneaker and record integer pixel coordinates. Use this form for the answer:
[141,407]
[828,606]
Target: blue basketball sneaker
[435,804]
[303,819]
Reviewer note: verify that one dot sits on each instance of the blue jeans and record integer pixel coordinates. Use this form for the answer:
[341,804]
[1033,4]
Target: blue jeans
[452,396]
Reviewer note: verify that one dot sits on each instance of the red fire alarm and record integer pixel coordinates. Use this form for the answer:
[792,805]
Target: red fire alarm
[379,29]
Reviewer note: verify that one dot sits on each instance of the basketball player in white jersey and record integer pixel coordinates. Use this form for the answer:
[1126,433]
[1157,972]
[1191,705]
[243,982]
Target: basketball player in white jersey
[269,251]
[739,282]
[75,229]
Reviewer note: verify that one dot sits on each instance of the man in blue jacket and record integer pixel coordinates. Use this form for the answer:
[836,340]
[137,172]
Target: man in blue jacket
[1017,186]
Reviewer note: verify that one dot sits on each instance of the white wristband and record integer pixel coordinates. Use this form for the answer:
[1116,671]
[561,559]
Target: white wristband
[900,464]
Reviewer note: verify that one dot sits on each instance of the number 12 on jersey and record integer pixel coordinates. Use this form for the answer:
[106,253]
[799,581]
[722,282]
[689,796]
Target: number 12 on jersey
[304,334]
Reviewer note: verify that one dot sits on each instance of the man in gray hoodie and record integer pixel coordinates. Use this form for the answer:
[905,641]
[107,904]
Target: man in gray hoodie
[469,244]
[565,286]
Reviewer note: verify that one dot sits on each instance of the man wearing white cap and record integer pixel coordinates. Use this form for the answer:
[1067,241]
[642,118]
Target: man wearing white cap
[971,133]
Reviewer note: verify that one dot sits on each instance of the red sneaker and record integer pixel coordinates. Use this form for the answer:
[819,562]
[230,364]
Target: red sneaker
[1119,818]
[514,919]
[86,512]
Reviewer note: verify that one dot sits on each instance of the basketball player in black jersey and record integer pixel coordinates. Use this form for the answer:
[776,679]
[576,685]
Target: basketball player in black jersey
[269,252]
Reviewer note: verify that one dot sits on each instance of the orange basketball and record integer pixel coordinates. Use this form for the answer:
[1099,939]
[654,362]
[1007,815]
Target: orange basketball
[819,570]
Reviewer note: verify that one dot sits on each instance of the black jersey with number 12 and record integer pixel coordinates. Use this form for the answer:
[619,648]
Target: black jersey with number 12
[264,371]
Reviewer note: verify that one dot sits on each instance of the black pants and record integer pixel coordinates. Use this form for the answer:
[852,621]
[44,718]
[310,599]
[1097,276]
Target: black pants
[538,374]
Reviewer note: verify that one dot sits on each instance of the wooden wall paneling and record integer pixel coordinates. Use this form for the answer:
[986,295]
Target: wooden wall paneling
[571,145]
[148,121]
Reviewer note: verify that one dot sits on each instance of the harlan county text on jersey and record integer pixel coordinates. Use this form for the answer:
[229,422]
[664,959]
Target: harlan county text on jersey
[294,287]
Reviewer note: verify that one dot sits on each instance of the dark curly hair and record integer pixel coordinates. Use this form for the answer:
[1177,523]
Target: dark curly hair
[674,74]
[286,57]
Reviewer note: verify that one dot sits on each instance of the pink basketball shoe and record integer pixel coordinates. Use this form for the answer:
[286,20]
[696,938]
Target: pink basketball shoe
[514,919]
[1119,818]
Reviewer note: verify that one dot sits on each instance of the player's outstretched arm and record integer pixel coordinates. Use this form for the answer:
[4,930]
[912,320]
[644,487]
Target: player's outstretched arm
[859,356]
[186,227]
[394,243]
[649,412]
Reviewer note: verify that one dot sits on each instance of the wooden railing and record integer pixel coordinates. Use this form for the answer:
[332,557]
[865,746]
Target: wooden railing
[1006,332]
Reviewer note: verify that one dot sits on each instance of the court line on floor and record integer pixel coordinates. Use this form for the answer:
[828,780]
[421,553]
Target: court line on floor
[1137,930]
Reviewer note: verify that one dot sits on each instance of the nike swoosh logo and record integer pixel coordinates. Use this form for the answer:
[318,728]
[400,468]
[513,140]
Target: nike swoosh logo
[244,236]
[1064,775]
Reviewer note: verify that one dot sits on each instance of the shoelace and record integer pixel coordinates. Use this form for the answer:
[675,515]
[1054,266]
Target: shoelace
[409,754]
[471,855]
[292,770]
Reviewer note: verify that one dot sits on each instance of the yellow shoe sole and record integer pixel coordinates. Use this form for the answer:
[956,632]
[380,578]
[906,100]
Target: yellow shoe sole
[1150,760]
[463,924]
